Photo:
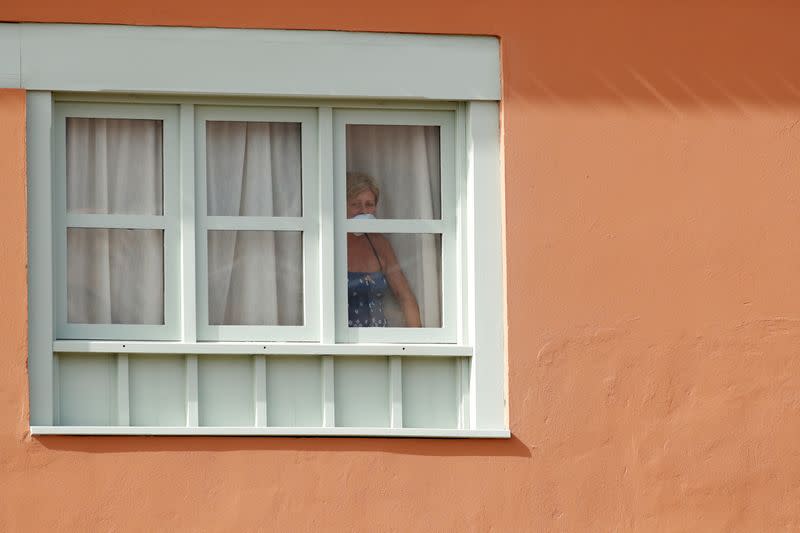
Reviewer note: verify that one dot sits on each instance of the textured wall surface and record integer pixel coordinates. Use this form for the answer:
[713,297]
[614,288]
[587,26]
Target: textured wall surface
[652,185]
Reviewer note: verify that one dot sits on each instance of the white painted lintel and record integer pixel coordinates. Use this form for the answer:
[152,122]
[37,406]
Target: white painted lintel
[147,59]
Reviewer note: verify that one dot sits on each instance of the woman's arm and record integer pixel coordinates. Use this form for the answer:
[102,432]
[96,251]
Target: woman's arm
[398,283]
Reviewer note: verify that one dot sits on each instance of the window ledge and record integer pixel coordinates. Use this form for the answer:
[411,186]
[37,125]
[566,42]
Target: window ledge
[276,431]
[252,348]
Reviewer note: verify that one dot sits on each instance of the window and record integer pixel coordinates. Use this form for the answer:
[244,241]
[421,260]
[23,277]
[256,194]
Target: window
[258,265]
[116,230]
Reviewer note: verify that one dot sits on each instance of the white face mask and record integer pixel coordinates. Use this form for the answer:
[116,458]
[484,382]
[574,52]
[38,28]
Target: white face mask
[363,216]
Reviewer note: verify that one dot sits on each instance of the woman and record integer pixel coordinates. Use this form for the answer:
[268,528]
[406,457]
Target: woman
[372,265]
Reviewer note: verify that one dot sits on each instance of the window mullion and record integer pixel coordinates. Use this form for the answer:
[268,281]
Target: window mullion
[192,411]
[200,222]
[172,169]
[115,221]
[187,222]
[328,407]
[396,391]
[256,223]
[463,334]
[462,390]
[327,230]
[260,392]
[327,275]
[123,395]
[338,180]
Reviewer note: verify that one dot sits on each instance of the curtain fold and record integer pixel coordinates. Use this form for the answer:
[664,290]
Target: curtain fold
[114,276]
[254,277]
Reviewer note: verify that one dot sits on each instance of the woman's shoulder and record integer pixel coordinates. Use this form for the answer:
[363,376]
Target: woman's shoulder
[380,242]
[384,249]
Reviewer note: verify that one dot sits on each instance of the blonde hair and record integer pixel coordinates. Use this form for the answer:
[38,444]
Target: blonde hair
[357,182]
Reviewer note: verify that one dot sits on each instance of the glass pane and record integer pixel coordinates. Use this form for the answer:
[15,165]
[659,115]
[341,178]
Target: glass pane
[115,276]
[394,280]
[395,168]
[255,277]
[114,166]
[253,168]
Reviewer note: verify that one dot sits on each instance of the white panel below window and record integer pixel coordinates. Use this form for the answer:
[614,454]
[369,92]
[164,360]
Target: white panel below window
[361,391]
[225,391]
[87,387]
[430,398]
[157,388]
[294,391]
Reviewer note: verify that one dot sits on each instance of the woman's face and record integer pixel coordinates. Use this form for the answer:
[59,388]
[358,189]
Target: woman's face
[361,203]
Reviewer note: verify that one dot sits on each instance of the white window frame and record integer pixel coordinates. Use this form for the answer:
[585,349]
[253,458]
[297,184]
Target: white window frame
[447,226]
[404,72]
[306,223]
[167,222]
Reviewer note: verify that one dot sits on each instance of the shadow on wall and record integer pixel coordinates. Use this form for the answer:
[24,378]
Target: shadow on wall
[671,57]
[512,447]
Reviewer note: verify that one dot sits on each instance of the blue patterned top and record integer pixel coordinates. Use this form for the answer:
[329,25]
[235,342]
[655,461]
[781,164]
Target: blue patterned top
[365,292]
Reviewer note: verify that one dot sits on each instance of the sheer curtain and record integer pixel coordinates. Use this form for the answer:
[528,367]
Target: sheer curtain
[405,162]
[255,277]
[114,276]
[114,167]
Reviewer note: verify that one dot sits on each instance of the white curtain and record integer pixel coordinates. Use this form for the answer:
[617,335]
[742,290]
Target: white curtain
[114,166]
[254,277]
[114,276]
[405,162]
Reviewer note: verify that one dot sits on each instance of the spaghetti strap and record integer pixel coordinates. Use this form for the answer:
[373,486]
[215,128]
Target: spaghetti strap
[374,251]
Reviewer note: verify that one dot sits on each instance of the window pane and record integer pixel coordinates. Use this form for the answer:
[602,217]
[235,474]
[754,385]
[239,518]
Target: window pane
[404,164]
[114,166]
[253,168]
[255,277]
[394,280]
[115,276]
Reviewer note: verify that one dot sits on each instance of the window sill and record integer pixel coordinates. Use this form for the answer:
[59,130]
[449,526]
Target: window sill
[252,348]
[275,431]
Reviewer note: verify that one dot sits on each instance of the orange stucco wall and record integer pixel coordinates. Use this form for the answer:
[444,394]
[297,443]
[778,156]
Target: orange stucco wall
[652,185]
